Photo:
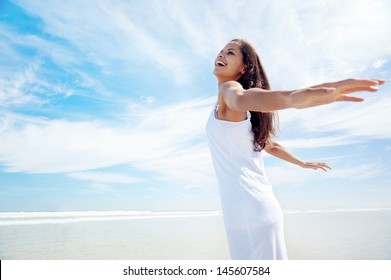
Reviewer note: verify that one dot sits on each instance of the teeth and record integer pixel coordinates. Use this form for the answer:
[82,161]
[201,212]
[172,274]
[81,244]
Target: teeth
[220,63]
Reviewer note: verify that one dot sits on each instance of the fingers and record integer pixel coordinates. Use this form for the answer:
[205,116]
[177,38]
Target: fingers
[357,89]
[318,165]
[331,92]
[355,85]
[381,82]
[326,166]
[349,98]
[323,166]
[371,82]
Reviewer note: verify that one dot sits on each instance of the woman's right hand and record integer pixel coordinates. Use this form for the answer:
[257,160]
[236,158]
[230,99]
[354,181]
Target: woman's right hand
[315,165]
[332,92]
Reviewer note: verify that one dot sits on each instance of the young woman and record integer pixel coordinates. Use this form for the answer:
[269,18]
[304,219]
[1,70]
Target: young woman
[241,125]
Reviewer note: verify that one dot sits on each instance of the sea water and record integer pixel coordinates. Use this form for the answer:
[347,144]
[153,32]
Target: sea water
[139,235]
[341,234]
[112,235]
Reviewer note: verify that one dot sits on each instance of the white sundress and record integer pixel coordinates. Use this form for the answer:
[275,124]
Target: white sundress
[253,218]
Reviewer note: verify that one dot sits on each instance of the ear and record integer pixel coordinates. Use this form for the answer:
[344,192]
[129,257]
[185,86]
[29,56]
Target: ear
[243,71]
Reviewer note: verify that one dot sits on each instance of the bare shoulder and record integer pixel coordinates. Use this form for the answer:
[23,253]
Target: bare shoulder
[231,85]
[226,93]
[225,89]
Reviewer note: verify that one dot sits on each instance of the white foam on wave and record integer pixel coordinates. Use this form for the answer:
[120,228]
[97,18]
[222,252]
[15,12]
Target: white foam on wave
[338,210]
[35,218]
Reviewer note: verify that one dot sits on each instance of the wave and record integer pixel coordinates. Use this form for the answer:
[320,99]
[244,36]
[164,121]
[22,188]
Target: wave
[35,218]
[337,210]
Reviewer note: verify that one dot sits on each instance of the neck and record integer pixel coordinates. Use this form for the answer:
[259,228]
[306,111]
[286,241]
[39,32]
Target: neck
[222,81]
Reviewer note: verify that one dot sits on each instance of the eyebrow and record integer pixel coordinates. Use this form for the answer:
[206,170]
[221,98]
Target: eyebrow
[230,49]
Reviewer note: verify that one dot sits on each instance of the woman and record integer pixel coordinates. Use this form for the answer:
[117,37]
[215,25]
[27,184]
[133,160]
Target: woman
[240,126]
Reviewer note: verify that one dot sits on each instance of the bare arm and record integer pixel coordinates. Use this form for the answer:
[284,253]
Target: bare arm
[260,100]
[279,151]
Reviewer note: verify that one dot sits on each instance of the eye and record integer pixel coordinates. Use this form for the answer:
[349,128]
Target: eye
[231,53]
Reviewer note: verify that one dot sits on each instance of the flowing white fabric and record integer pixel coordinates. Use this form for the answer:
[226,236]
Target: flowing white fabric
[253,218]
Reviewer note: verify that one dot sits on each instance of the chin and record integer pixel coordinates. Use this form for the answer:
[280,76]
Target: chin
[217,72]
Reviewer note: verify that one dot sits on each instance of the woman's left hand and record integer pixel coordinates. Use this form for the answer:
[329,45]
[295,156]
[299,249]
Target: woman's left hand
[316,165]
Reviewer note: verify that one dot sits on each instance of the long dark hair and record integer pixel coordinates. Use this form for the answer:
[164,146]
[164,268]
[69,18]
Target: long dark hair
[264,124]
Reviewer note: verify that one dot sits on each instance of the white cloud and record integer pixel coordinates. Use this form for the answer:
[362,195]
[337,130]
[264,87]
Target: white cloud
[167,141]
[290,175]
[15,91]
[317,41]
[379,63]
[314,41]
[149,99]
[294,176]
[122,43]
[25,79]
[359,172]
[137,36]
[60,54]
[60,146]
[305,46]
[101,188]
[191,166]
[101,178]
[352,122]
[316,142]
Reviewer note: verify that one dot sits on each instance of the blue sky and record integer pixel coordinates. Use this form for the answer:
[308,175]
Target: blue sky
[103,103]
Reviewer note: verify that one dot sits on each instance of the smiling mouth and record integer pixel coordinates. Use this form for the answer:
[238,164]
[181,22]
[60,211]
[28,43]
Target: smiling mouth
[219,63]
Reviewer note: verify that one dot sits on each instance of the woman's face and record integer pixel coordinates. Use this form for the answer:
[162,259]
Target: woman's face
[229,64]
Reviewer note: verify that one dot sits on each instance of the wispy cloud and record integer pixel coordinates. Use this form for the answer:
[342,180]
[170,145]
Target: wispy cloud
[15,91]
[290,175]
[136,57]
[360,172]
[327,40]
[173,147]
[317,142]
[118,45]
[379,63]
[293,176]
[350,123]
[104,177]
[132,39]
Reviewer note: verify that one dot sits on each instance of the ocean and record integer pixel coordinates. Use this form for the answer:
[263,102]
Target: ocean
[338,234]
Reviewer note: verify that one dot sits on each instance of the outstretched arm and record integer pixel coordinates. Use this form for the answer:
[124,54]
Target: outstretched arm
[279,151]
[260,100]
